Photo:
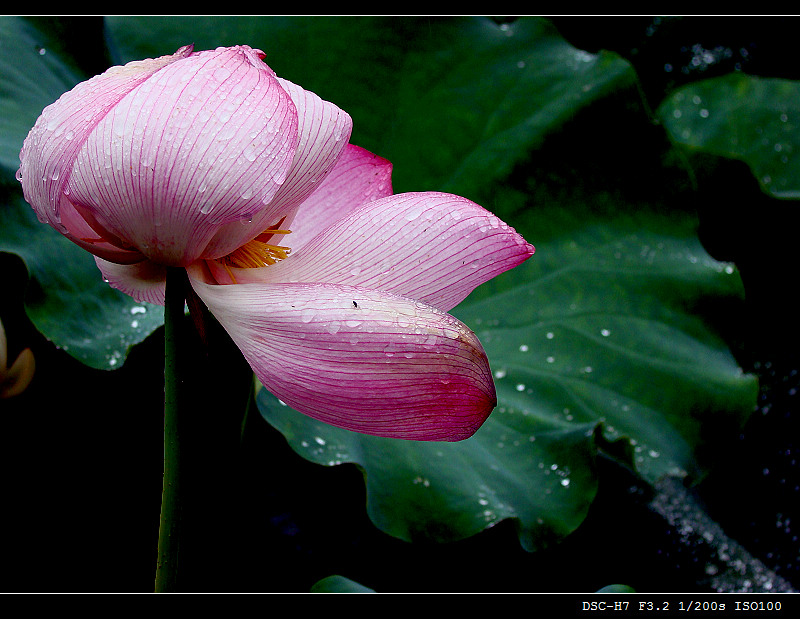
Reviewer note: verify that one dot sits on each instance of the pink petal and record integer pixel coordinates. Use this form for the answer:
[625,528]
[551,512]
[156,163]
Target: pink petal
[358,178]
[203,142]
[433,247]
[49,151]
[323,132]
[96,240]
[359,359]
[144,281]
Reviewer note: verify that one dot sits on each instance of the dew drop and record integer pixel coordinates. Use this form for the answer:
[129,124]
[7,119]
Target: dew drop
[221,73]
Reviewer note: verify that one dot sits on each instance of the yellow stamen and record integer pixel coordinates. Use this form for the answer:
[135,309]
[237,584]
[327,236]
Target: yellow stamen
[258,253]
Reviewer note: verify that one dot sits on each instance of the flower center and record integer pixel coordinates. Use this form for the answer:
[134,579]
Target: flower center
[257,253]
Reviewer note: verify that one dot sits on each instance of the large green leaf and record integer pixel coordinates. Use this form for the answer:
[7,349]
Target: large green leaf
[32,76]
[452,102]
[67,300]
[609,324]
[748,118]
[332,56]
[606,339]
[595,342]
[539,472]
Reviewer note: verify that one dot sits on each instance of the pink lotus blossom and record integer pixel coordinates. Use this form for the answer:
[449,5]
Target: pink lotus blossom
[335,290]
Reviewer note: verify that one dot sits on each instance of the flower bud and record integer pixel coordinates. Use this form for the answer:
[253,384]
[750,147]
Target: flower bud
[159,158]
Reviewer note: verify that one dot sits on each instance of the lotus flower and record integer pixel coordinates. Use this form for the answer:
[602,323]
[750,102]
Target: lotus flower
[335,290]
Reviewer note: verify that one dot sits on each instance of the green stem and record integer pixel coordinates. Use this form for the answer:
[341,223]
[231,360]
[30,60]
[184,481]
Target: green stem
[174,396]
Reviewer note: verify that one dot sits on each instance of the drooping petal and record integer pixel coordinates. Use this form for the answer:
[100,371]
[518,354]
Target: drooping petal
[49,151]
[432,247]
[203,142]
[358,178]
[323,132]
[144,281]
[359,359]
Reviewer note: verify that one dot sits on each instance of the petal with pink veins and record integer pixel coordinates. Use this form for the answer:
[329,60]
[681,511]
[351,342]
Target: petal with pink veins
[359,359]
[203,142]
[49,151]
[358,178]
[83,230]
[323,133]
[145,281]
[433,247]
